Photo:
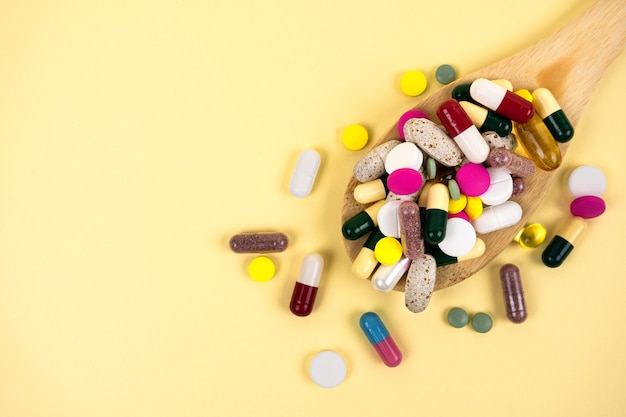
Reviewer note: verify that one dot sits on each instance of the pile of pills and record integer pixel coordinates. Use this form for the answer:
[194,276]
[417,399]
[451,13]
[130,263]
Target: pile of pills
[437,189]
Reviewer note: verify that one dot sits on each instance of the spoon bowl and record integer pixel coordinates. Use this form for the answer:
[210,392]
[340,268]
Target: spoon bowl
[570,63]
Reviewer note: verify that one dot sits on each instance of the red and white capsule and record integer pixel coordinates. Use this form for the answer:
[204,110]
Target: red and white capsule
[501,100]
[463,131]
[305,290]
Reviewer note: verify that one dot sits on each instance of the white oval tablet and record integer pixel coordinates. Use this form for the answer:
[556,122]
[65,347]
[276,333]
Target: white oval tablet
[388,220]
[587,180]
[500,187]
[387,276]
[328,369]
[405,155]
[498,217]
[460,237]
[303,176]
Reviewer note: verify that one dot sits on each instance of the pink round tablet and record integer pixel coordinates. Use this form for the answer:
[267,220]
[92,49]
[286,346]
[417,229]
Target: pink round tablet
[411,114]
[405,181]
[460,214]
[473,179]
[587,207]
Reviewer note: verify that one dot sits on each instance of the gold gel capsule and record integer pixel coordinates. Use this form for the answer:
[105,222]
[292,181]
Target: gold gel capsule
[538,143]
[531,236]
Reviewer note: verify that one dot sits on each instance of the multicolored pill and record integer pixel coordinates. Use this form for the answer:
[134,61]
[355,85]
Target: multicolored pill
[553,116]
[362,223]
[563,242]
[305,290]
[487,120]
[436,218]
[501,100]
[513,293]
[379,337]
[365,262]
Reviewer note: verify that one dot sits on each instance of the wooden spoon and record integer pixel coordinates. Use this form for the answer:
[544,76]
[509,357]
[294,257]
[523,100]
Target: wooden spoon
[569,63]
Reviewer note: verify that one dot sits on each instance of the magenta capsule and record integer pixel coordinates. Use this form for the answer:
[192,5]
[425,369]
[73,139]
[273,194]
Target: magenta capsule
[513,292]
[379,337]
[305,290]
[460,127]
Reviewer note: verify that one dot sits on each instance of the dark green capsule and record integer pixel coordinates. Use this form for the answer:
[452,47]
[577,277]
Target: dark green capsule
[435,223]
[373,238]
[556,252]
[496,123]
[461,92]
[559,125]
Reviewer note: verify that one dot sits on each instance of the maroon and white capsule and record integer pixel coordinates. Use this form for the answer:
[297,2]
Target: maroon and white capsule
[460,127]
[513,292]
[305,290]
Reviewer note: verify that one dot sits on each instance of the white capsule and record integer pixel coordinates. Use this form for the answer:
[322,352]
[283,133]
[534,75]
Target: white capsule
[304,173]
[498,217]
[500,187]
[387,276]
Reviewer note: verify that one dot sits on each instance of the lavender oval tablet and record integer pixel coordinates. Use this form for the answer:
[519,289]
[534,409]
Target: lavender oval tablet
[410,230]
[259,242]
[405,181]
[587,207]
[513,293]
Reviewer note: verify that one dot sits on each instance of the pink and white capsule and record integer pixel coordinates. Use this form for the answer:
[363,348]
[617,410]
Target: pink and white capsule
[460,127]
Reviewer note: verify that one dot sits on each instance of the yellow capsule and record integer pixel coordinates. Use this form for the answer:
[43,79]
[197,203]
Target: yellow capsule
[531,236]
[474,207]
[457,206]
[371,191]
[524,93]
[538,143]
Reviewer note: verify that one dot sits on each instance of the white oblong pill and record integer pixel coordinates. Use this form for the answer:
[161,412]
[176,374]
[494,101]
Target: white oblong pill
[500,187]
[328,369]
[405,155]
[587,180]
[388,220]
[460,237]
[498,217]
[304,173]
[387,276]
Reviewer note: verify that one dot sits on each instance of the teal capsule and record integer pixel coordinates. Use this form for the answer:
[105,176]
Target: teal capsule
[362,223]
[562,243]
[436,218]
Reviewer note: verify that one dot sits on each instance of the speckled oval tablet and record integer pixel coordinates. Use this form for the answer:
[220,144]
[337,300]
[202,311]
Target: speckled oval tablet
[405,181]
[434,141]
[411,114]
[372,165]
[420,283]
[587,207]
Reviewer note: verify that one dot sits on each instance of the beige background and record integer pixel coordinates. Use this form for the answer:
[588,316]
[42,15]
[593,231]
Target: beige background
[137,136]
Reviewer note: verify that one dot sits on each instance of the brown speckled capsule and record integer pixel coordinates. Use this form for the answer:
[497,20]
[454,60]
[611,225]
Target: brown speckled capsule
[410,230]
[259,242]
[513,292]
[518,186]
[517,165]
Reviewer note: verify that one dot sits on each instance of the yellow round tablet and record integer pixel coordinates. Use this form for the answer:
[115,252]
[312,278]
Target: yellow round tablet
[261,269]
[524,93]
[354,137]
[457,206]
[388,250]
[413,83]
[474,207]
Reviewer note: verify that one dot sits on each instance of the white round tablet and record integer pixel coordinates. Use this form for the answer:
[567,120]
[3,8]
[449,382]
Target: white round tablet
[460,237]
[388,220]
[405,155]
[500,187]
[587,180]
[328,369]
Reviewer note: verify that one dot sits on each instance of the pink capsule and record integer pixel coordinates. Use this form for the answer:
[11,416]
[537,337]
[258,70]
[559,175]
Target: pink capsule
[305,290]
[458,125]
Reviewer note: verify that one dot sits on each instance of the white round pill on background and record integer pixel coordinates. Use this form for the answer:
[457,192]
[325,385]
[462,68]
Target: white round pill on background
[328,369]
[460,237]
[405,155]
[388,220]
[500,187]
[587,180]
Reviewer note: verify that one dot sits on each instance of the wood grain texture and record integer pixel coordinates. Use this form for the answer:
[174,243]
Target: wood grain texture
[570,63]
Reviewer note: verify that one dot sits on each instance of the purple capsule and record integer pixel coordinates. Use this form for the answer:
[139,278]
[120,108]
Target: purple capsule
[513,293]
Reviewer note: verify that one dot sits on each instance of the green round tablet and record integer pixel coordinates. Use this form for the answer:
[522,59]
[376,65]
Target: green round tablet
[457,317]
[481,322]
[445,74]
